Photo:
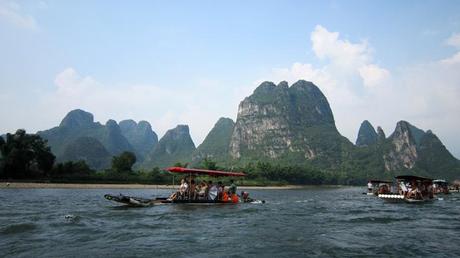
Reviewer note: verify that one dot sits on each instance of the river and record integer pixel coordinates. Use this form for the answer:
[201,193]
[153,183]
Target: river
[315,221]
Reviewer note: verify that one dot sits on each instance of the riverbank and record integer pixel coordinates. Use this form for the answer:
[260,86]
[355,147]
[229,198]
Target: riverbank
[17,185]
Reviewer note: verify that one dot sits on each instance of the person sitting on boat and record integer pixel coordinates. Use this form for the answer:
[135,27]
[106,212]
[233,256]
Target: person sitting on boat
[220,190]
[213,191]
[383,189]
[415,193]
[202,190]
[182,190]
[192,193]
[198,189]
[225,196]
[430,191]
[403,189]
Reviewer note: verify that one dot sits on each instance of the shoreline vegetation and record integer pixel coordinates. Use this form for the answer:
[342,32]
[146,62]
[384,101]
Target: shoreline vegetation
[35,185]
[27,158]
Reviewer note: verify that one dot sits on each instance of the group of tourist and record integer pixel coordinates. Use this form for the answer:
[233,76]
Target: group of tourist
[416,189]
[189,189]
[410,189]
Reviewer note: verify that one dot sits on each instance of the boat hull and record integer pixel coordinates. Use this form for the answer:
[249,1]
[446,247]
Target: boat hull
[142,202]
[398,198]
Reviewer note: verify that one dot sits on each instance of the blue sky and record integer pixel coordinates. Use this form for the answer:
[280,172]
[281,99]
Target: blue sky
[171,62]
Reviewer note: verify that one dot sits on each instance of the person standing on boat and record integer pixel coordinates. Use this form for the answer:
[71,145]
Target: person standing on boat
[220,190]
[369,187]
[232,187]
[232,191]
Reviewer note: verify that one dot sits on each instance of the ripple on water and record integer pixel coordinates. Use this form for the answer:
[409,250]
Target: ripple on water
[304,222]
[18,228]
[380,220]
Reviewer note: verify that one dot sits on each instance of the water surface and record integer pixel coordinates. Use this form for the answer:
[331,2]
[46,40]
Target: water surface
[314,221]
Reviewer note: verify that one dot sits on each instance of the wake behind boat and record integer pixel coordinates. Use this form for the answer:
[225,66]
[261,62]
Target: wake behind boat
[192,193]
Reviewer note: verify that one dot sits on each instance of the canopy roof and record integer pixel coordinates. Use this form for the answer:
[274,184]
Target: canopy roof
[203,172]
[376,181]
[440,181]
[410,177]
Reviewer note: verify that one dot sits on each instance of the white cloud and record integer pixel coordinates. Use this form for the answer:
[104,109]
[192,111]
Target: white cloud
[71,84]
[12,13]
[373,75]
[327,45]
[455,59]
[454,40]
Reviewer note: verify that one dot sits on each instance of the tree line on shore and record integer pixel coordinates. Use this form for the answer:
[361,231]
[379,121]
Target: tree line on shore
[28,157]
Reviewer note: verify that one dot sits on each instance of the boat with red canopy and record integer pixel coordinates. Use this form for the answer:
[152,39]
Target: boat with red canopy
[188,193]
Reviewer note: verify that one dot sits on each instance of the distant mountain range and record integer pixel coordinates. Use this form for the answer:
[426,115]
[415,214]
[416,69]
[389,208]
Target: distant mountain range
[78,137]
[280,124]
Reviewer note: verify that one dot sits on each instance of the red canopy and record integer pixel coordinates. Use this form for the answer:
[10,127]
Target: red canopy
[203,172]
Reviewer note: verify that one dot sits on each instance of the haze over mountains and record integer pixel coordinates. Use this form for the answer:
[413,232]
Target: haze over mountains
[280,124]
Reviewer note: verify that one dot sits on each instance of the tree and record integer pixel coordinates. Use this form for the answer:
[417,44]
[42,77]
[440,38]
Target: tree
[123,162]
[209,164]
[76,169]
[25,156]
[179,164]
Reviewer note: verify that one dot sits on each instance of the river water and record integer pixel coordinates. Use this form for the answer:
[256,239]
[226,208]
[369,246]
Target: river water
[315,221]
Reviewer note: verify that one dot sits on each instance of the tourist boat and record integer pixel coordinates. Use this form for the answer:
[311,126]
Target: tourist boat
[185,198]
[454,187]
[411,189]
[454,190]
[440,186]
[379,187]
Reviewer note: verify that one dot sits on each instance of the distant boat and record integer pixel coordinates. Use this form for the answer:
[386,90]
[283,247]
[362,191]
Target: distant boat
[411,189]
[440,186]
[379,187]
[454,187]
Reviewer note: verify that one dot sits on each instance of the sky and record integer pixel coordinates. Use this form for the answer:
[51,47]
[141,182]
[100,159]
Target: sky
[191,62]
